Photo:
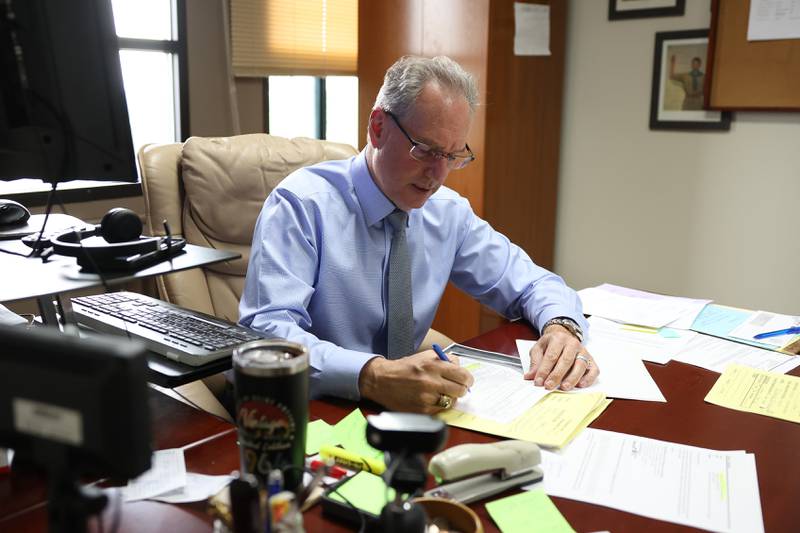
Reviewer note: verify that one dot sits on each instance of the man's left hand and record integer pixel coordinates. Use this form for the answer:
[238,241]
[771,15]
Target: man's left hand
[559,359]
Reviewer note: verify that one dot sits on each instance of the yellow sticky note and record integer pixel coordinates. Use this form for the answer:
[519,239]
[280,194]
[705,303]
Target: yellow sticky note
[318,433]
[351,433]
[528,512]
[365,491]
[757,391]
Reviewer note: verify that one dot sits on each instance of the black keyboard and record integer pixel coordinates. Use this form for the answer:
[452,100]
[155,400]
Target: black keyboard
[181,334]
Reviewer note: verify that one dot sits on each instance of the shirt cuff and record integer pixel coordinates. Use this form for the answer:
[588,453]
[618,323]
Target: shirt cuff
[337,373]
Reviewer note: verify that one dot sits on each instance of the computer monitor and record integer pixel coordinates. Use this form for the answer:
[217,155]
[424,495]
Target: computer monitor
[72,407]
[63,114]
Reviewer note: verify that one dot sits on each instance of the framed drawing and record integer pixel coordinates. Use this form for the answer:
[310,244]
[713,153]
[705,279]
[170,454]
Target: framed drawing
[637,9]
[677,101]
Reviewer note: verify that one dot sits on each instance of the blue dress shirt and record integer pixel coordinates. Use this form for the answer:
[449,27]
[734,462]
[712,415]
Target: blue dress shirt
[318,269]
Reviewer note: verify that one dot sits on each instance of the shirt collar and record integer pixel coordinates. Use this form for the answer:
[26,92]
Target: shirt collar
[374,203]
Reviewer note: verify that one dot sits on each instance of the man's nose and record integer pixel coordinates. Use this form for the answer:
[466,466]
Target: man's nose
[439,169]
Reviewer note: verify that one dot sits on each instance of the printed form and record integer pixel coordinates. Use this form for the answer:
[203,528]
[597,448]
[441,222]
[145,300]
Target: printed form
[709,489]
[716,354]
[755,391]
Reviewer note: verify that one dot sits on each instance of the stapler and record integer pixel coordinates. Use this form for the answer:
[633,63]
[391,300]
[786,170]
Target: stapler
[499,466]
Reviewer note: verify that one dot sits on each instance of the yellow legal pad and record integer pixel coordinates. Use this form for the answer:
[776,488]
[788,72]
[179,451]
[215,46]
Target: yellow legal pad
[756,391]
[553,421]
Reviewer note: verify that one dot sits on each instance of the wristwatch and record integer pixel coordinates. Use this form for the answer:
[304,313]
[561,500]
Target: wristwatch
[567,323]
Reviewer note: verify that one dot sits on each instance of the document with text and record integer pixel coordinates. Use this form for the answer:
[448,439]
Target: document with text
[716,354]
[646,344]
[621,376]
[756,391]
[698,487]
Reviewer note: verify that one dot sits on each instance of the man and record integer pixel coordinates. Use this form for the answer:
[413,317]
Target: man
[333,243]
[691,82]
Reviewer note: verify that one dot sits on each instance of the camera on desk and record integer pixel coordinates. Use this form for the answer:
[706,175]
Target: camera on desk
[405,437]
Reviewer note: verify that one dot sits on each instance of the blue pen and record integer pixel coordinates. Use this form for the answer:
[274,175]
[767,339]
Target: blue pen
[440,353]
[787,331]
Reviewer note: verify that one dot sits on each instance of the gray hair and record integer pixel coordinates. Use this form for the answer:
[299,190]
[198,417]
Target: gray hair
[406,78]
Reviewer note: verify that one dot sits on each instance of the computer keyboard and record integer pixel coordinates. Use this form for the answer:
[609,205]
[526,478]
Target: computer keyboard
[181,334]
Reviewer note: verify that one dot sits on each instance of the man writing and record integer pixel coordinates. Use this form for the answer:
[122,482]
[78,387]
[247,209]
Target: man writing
[351,258]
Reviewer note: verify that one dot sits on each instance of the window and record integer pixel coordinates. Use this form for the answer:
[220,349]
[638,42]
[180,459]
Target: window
[152,44]
[316,107]
[152,56]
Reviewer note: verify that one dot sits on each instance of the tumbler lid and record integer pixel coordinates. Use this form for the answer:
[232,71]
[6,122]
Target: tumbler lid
[272,357]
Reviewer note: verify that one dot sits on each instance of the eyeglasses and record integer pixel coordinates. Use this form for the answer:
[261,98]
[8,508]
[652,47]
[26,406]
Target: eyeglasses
[425,154]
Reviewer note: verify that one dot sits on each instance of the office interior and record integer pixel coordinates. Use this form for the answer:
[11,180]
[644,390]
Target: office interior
[600,197]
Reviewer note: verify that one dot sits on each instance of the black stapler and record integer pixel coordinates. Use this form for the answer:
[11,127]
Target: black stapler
[483,470]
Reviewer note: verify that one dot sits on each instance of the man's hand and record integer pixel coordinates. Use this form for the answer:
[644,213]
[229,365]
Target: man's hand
[414,383]
[559,359]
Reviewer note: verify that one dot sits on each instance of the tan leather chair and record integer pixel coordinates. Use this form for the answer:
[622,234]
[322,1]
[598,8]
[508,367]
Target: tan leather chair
[210,191]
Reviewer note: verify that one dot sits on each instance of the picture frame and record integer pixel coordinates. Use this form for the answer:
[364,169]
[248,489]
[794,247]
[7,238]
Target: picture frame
[678,94]
[637,9]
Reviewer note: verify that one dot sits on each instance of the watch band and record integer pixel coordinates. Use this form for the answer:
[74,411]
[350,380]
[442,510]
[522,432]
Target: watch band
[567,323]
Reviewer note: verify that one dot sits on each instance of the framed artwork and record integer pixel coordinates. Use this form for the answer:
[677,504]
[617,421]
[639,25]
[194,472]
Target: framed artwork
[637,9]
[679,75]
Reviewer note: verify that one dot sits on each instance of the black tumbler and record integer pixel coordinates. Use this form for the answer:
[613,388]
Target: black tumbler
[271,388]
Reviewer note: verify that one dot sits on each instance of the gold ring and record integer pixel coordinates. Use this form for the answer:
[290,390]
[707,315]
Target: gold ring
[445,401]
[585,359]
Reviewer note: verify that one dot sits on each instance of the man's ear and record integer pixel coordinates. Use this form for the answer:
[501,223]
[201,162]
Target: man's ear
[375,128]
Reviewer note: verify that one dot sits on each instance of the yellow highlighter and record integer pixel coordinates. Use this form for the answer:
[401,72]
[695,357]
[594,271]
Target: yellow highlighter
[352,460]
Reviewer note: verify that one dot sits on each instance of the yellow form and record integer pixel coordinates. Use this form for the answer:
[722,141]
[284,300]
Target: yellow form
[757,391]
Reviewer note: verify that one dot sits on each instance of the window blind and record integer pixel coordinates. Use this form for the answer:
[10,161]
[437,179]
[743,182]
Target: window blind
[300,37]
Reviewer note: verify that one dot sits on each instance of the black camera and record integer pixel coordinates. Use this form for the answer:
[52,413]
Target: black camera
[405,437]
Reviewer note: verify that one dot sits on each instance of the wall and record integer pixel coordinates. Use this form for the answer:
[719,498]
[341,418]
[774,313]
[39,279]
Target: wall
[699,214]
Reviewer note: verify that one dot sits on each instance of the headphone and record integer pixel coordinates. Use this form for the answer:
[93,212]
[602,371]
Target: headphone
[124,250]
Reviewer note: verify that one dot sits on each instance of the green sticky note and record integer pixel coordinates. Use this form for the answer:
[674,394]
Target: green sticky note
[528,512]
[318,433]
[669,333]
[351,433]
[365,491]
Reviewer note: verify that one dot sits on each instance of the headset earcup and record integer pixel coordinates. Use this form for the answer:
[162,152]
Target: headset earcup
[120,225]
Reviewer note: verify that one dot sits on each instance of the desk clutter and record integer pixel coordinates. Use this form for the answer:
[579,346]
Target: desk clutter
[370,471]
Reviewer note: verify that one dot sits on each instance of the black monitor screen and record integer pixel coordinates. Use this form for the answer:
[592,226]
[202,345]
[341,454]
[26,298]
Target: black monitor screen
[74,406]
[63,114]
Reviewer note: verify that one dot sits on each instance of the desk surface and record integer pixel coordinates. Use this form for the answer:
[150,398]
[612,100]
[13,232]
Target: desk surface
[30,277]
[685,418]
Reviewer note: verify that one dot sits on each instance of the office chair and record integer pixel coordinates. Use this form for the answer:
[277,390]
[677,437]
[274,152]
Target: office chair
[210,191]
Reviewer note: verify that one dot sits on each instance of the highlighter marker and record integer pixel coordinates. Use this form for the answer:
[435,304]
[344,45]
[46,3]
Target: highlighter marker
[352,460]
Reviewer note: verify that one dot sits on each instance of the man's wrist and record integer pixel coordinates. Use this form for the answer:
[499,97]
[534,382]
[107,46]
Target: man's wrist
[566,323]
[368,377]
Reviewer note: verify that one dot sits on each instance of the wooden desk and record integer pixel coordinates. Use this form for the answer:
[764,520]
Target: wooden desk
[685,418]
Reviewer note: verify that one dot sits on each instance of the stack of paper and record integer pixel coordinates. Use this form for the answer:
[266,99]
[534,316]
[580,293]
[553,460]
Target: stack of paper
[621,376]
[698,487]
[168,481]
[551,421]
[723,321]
[755,391]
[631,306]
[716,354]
[647,344]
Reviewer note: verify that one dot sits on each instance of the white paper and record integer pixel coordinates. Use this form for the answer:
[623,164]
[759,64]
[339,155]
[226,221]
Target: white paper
[631,306]
[699,487]
[773,19]
[763,322]
[531,29]
[198,488]
[713,353]
[612,337]
[499,394]
[167,473]
[621,376]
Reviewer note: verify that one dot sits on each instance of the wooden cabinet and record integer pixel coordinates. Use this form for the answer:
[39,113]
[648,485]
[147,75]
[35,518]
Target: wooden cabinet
[516,131]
